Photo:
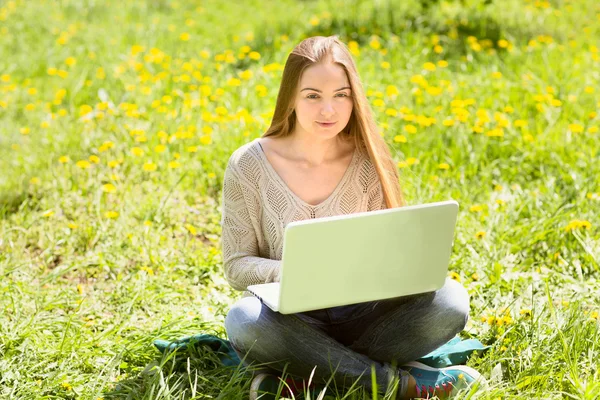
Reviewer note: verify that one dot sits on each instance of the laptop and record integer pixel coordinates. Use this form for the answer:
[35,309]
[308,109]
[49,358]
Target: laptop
[367,256]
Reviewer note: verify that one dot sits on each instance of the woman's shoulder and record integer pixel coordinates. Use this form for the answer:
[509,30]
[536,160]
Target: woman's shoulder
[245,160]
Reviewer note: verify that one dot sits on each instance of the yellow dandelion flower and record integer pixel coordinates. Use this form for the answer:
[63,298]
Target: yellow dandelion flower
[184,36]
[578,224]
[254,55]
[589,89]
[593,129]
[442,63]
[475,276]
[95,159]
[205,140]
[137,151]
[160,148]
[221,110]
[448,122]
[150,166]
[246,75]
[576,128]
[211,175]
[174,165]
[438,49]
[25,131]
[412,161]
[111,214]
[64,159]
[72,226]
[70,61]
[443,166]
[480,235]
[526,313]
[476,208]
[192,149]
[191,229]
[455,276]
[109,188]
[35,181]
[496,75]
[83,164]
[429,66]
[391,90]
[385,65]
[48,214]
[410,129]
[400,139]
[375,44]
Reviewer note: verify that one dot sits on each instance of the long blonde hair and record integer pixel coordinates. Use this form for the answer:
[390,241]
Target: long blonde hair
[361,126]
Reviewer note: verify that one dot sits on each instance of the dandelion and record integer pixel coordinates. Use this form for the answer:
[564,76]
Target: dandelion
[385,65]
[576,128]
[160,148]
[578,224]
[138,152]
[174,165]
[205,140]
[94,159]
[48,214]
[475,276]
[211,175]
[410,129]
[109,188]
[429,66]
[480,235]
[455,276]
[184,37]
[496,75]
[400,139]
[111,214]
[526,313]
[443,166]
[191,229]
[64,159]
[66,385]
[254,55]
[83,164]
[442,63]
[72,226]
[150,166]
[147,223]
[391,90]
[148,270]
[476,208]
[448,122]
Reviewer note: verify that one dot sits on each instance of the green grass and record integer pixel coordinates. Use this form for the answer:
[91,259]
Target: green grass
[84,293]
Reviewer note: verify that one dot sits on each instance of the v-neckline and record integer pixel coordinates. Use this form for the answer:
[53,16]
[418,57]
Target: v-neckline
[270,167]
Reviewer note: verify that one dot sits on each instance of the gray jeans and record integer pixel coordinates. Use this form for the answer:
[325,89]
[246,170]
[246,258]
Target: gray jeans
[345,342]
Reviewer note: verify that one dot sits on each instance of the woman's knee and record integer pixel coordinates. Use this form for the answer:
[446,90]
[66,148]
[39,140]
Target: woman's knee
[242,322]
[456,302]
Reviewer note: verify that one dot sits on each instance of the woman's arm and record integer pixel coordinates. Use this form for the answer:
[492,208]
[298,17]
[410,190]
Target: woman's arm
[241,261]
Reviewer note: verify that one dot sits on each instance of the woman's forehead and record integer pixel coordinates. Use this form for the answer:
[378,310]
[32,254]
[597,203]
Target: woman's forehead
[325,76]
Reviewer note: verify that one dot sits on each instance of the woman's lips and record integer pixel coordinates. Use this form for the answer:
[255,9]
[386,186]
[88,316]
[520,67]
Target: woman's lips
[326,124]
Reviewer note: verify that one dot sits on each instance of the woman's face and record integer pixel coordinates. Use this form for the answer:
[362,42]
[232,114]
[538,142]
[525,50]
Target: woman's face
[323,104]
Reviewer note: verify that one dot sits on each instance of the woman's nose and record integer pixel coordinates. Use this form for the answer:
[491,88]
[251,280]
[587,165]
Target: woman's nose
[327,109]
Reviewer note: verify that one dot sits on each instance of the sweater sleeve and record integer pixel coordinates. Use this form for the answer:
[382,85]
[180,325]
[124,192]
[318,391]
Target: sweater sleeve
[241,262]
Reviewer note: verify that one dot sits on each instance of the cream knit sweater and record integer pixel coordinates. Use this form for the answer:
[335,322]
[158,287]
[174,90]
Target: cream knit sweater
[257,205]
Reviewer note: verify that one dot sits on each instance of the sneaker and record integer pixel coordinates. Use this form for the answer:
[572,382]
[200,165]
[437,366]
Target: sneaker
[264,386]
[442,382]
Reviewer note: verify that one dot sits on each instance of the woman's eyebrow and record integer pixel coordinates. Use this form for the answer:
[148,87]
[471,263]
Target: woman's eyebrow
[317,90]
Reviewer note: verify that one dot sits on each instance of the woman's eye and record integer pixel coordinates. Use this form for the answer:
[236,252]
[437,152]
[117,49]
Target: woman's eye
[343,95]
[310,96]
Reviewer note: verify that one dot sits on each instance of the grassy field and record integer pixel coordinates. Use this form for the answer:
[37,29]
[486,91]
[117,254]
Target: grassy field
[117,119]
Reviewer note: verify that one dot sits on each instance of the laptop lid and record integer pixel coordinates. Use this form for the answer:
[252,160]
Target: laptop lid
[367,256]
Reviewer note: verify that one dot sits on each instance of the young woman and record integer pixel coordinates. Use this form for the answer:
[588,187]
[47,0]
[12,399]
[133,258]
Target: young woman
[323,156]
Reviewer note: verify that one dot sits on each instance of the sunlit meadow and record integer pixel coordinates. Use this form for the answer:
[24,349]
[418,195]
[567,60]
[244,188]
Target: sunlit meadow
[117,119]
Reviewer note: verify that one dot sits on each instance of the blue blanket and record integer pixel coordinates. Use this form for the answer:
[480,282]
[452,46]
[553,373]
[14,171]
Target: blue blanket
[455,352]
